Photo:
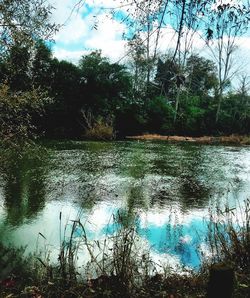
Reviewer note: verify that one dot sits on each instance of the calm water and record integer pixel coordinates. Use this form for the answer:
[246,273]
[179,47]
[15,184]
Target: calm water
[169,186]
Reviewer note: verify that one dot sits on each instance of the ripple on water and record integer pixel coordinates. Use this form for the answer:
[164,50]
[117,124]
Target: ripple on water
[169,186]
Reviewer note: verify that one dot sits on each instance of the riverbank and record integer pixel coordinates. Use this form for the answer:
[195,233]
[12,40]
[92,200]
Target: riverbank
[34,278]
[232,139]
[174,286]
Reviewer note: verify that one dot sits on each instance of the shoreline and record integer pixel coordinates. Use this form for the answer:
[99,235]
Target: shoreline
[232,139]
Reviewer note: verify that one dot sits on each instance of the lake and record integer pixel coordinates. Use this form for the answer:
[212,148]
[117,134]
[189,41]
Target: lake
[170,189]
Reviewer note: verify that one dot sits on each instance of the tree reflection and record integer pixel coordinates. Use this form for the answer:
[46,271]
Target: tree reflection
[24,185]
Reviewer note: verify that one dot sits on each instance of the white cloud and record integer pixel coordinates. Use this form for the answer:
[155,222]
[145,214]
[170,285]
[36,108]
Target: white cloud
[225,2]
[168,39]
[110,4]
[73,27]
[72,32]
[78,37]
[240,58]
[72,56]
[108,38]
[243,42]
[63,9]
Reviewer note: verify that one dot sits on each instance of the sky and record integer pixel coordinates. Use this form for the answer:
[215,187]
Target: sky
[88,26]
[78,36]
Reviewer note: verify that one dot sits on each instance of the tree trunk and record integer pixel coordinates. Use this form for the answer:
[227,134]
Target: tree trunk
[218,107]
[148,54]
[221,281]
[177,103]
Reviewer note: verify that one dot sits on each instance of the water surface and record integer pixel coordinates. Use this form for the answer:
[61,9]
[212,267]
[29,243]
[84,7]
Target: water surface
[169,187]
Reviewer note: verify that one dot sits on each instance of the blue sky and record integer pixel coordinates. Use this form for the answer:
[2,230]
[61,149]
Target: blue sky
[79,37]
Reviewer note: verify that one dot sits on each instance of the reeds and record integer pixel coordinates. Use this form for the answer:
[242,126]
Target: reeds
[229,236]
[115,263]
[119,262]
[118,267]
[229,243]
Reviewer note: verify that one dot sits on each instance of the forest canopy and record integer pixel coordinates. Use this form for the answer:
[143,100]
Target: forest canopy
[179,91]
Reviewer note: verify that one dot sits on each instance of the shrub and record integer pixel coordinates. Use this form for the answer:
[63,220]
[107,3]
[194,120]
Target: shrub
[160,115]
[100,130]
[97,127]
[17,110]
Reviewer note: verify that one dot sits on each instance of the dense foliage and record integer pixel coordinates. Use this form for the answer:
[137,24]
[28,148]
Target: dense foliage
[17,110]
[181,93]
[98,91]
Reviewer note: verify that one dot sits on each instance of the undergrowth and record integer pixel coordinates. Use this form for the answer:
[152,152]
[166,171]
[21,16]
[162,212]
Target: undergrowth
[119,267]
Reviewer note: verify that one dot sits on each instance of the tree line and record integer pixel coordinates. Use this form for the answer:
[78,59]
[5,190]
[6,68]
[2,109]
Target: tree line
[180,92]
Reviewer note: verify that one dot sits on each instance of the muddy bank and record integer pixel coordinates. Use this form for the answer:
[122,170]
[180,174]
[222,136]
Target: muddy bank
[232,139]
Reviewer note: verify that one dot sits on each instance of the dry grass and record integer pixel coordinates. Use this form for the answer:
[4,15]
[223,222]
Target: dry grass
[100,131]
[232,139]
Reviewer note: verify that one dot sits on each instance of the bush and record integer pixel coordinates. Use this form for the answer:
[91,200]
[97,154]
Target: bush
[100,130]
[97,127]
[160,115]
[191,115]
[17,110]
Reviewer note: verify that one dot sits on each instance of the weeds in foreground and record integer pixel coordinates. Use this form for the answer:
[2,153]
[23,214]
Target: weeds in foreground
[118,267]
[229,236]
[229,242]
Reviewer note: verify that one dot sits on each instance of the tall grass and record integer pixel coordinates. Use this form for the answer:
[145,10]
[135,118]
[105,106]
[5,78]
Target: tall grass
[119,261]
[229,236]
[229,242]
[119,267]
[116,264]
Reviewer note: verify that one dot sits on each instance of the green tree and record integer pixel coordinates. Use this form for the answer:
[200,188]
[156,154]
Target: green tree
[17,63]
[167,76]
[201,75]
[65,87]
[159,115]
[227,22]
[41,70]
[26,67]
[192,115]
[138,66]
[24,22]
[106,85]
[17,111]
